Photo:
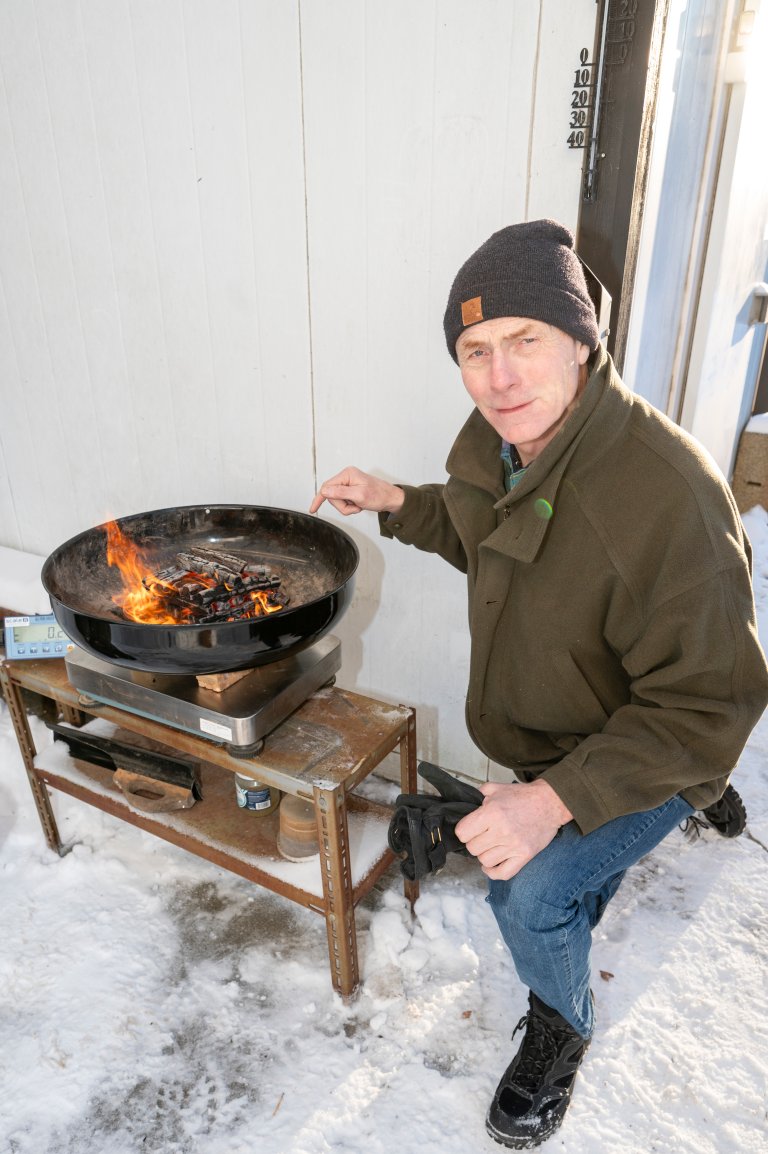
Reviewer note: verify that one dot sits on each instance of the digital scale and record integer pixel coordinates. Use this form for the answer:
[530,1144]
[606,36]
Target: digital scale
[239,717]
[34,637]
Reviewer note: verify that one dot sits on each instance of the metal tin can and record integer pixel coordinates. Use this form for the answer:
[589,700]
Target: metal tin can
[254,795]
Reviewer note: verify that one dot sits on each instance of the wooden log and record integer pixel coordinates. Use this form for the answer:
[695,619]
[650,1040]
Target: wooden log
[218,682]
[150,795]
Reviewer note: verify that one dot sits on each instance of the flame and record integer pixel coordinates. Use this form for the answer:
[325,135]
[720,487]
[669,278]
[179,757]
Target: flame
[260,597]
[148,603]
[137,602]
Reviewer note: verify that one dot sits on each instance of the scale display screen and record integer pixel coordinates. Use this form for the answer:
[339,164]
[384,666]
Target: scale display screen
[32,638]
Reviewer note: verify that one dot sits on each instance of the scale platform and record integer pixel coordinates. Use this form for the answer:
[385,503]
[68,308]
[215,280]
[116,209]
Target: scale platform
[239,717]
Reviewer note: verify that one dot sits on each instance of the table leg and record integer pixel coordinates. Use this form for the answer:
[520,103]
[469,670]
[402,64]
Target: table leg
[409,784]
[12,695]
[333,835]
[73,716]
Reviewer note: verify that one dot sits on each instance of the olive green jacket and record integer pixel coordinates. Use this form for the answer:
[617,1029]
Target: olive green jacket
[614,647]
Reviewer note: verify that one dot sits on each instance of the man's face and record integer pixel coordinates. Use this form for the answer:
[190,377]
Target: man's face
[524,376]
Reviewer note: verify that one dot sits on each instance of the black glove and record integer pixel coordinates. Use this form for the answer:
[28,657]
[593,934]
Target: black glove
[423,827]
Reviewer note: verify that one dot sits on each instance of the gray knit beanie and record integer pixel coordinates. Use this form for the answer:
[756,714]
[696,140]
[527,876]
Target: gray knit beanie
[524,270]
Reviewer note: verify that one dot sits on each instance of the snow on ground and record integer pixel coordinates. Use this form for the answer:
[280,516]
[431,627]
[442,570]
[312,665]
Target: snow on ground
[150,1002]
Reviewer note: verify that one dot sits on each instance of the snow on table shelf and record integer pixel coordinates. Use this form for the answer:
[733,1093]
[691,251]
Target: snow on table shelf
[218,823]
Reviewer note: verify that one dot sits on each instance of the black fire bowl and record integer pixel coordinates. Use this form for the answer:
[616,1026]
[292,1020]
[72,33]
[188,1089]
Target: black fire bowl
[315,560]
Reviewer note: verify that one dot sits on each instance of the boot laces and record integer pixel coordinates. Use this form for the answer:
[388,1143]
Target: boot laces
[540,1047]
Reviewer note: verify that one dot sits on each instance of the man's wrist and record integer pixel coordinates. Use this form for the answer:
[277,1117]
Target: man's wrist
[559,809]
[396,503]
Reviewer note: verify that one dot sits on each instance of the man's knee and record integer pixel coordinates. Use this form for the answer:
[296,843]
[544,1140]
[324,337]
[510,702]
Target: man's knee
[529,903]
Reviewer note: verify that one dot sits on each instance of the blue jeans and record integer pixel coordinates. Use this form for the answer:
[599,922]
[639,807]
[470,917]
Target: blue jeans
[547,912]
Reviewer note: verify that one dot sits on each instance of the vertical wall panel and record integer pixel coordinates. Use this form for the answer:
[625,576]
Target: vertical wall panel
[42,351]
[215,77]
[7,511]
[133,396]
[192,461]
[283,474]
[18,504]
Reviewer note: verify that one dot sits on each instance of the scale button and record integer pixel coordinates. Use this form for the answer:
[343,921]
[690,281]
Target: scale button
[58,647]
[33,649]
[46,649]
[20,649]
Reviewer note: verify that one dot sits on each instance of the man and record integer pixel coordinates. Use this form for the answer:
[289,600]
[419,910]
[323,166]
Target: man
[615,665]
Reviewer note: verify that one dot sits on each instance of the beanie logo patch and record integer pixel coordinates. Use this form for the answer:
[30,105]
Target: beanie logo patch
[472,311]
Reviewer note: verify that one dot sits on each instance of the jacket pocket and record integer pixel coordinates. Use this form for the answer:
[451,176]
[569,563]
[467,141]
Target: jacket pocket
[580,709]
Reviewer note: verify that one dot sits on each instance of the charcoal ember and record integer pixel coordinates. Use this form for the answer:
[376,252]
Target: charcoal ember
[214,586]
[190,590]
[204,596]
[207,596]
[220,566]
[229,615]
[229,605]
[229,610]
[173,575]
[234,608]
[270,581]
[222,591]
[225,567]
[276,598]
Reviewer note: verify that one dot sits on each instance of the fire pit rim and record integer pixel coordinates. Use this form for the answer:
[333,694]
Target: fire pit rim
[231,645]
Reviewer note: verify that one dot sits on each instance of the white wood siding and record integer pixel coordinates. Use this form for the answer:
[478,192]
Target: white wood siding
[227,233]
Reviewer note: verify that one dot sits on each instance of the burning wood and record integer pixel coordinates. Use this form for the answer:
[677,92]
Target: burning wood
[217,587]
[200,588]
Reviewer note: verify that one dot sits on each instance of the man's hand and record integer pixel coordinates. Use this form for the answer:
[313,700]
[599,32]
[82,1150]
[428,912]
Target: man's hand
[514,823]
[351,491]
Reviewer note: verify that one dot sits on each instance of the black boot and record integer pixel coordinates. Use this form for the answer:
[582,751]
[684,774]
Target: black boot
[532,1097]
[728,815]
